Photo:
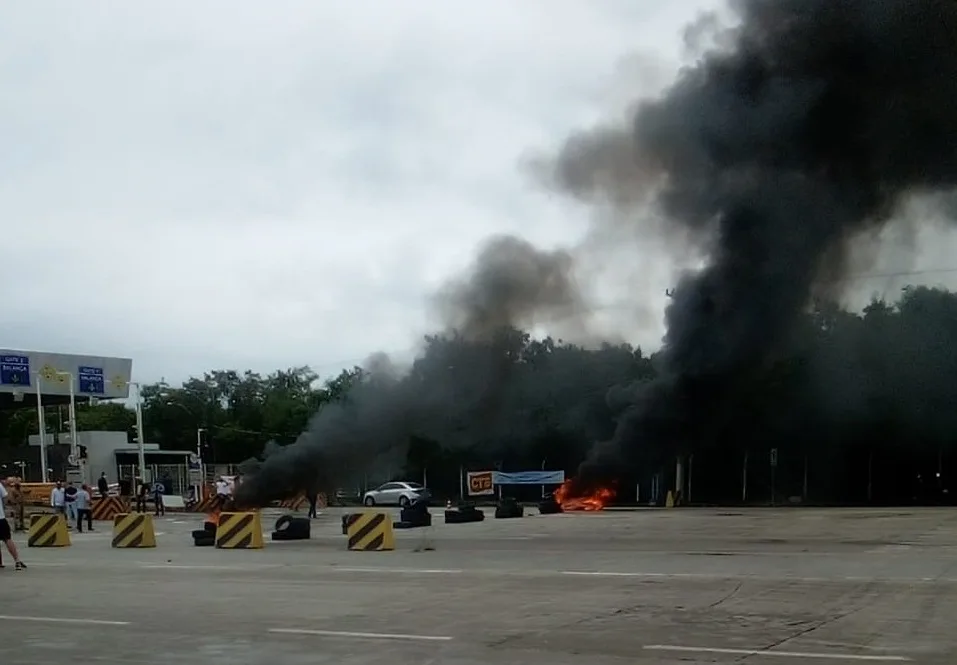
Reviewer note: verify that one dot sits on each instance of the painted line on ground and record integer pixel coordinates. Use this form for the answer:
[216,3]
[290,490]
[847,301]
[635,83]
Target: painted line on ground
[334,569]
[205,566]
[759,578]
[101,533]
[88,622]
[600,573]
[361,636]
[407,571]
[780,654]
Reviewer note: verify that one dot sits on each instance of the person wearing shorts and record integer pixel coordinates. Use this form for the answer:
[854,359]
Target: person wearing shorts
[6,537]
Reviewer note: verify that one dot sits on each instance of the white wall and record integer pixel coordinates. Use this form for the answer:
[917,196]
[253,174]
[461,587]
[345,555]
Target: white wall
[100,447]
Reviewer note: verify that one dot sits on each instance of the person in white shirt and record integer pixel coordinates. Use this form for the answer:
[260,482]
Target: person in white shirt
[58,499]
[222,493]
[5,536]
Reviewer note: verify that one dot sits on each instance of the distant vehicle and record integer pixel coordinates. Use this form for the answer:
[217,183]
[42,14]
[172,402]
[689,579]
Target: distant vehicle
[395,493]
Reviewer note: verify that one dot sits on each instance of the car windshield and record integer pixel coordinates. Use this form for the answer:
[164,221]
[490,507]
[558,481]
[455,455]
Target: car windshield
[415,486]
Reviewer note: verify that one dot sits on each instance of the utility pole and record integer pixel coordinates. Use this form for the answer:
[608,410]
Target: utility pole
[42,430]
[140,441]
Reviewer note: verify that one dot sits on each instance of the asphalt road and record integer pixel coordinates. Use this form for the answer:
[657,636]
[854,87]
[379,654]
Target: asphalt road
[643,587]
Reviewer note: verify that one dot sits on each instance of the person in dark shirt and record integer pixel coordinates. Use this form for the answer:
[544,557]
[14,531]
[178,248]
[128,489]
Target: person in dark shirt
[158,490]
[70,498]
[103,485]
[142,490]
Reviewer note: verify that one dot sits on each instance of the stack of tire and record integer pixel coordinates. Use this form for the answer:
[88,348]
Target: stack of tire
[414,515]
[290,527]
[465,513]
[206,537]
[508,508]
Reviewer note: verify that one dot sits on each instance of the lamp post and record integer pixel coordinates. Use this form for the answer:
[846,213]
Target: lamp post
[202,463]
[42,425]
[199,442]
[141,444]
[199,445]
[74,444]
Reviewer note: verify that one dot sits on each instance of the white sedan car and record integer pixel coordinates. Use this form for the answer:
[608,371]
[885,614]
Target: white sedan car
[395,493]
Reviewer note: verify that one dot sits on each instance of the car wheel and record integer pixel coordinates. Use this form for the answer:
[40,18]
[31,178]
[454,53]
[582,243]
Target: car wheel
[369,501]
[403,502]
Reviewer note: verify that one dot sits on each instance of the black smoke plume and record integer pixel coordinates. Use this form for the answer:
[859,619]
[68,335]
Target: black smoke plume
[810,124]
[466,377]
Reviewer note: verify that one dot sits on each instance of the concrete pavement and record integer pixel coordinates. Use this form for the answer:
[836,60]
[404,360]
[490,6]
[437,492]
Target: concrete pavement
[642,587]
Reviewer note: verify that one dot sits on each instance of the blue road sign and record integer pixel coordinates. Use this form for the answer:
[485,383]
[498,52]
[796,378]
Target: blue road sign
[15,370]
[90,380]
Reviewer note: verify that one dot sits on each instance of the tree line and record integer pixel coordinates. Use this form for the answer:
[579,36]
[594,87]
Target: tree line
[857,407]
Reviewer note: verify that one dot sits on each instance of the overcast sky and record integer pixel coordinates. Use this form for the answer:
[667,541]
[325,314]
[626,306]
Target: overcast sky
[263,185]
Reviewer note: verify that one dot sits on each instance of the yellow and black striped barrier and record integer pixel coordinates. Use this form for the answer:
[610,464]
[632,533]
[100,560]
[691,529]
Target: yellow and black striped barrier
[133,530]
[205,505]
[48,531]
[239,531]
[105,509]
[370,532]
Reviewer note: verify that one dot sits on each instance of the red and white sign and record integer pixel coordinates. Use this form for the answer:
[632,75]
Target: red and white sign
[480,483]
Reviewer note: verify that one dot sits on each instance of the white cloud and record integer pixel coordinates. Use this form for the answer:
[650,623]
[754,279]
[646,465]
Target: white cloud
[243,184]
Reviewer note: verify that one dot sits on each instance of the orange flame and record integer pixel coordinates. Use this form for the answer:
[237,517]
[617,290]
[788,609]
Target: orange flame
[213,517]
[570,497]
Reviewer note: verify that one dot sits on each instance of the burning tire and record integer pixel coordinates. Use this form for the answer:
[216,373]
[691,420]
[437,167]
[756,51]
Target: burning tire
[549,506]
[204,539]
[207,536]
[572,496]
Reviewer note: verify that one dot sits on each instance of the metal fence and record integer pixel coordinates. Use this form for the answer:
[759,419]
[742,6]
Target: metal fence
[174,476]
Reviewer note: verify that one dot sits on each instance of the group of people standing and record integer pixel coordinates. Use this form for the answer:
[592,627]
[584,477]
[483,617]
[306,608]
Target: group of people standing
[74,503]
[145,491]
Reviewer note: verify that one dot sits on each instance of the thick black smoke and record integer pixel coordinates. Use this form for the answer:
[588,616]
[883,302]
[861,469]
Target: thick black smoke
[465,378]
[512,284]
[811,124]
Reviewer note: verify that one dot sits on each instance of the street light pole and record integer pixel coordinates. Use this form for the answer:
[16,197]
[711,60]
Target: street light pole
[202,462]
[42,425]
[74,444]
[139,431]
